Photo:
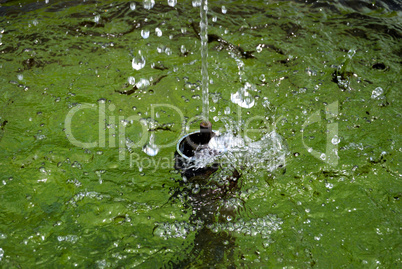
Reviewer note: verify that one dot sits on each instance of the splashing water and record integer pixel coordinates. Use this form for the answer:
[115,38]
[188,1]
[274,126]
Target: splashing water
[242,97]
[263,227]
[240,65]
[204,58]
[231,150]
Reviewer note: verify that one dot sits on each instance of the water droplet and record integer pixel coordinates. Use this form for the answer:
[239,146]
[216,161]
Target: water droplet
[148,4]
[196,3]
[323,156]
[227,110]
[145,34]
[76,164]
[68,238]
[124,122]
[351,53]
[158,31]
[311,72]
[99,172]
[335,140]
[172,3]
[266,104]
[196,189]
[97,19]
[377,92]
[132,6]
[224,10]
[215,97]
[160,49]
[183,49]
[20,77]
[151,149]
[242,97]
[143,83]
[131,80]
[138,61]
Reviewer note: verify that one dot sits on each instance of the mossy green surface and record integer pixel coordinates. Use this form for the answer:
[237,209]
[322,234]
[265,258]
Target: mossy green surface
[66,206]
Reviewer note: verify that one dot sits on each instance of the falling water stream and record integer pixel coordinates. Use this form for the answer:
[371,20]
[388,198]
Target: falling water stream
[204,58]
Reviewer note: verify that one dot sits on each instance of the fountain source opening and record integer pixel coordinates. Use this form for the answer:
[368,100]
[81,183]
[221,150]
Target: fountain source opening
[188,146]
